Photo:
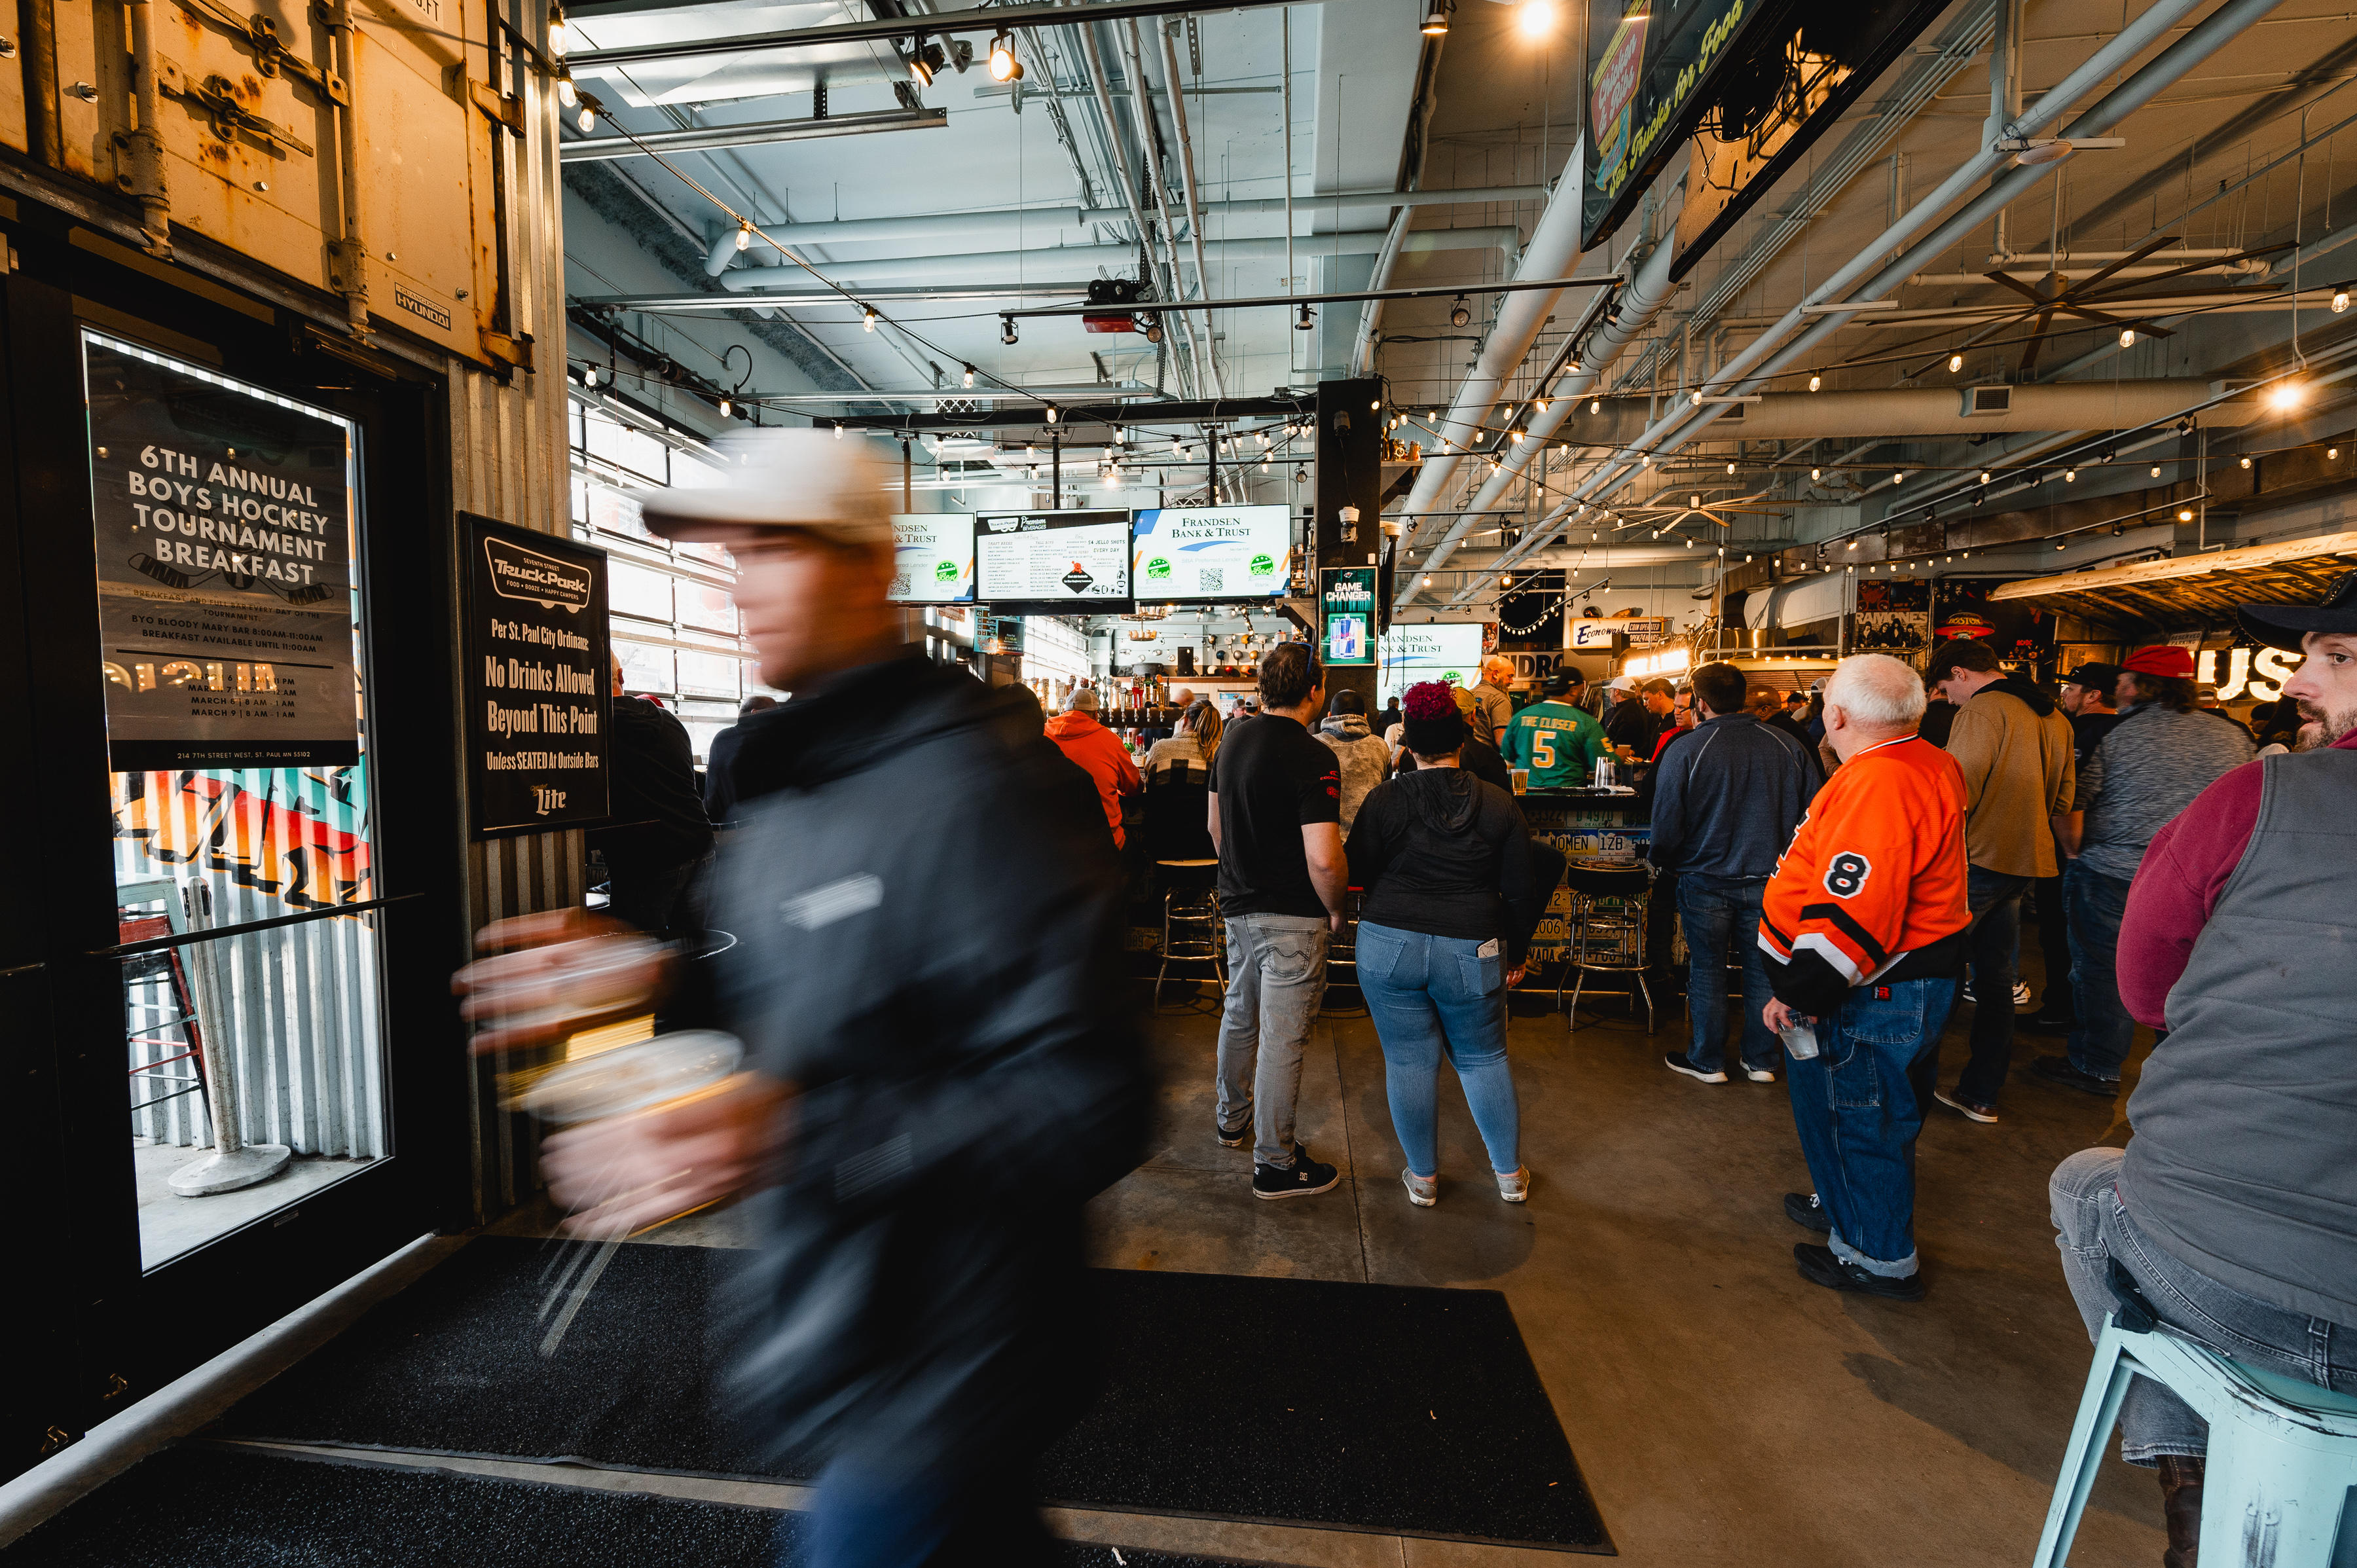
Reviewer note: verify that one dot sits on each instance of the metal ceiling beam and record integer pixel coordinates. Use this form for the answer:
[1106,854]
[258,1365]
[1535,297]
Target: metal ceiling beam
[1219,411]
[977,20]
[1437,292]
[764,133]
[664,304]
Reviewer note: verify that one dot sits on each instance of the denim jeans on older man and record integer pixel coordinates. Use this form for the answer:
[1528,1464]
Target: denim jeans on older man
[1858,1106]
[1720,916]
[2093,1229]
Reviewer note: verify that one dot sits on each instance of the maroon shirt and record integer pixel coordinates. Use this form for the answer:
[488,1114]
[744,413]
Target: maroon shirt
[2185,868]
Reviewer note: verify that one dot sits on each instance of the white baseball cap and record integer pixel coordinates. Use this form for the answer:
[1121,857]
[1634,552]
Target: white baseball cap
[1621,684]
[780,479]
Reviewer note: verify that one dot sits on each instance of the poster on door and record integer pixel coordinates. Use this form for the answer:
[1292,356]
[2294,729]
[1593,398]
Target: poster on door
[221,514]
[535,681]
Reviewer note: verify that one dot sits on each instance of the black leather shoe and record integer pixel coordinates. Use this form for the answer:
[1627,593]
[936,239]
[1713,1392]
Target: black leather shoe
[1820,1267]
[1804,1210]
[2058,1069]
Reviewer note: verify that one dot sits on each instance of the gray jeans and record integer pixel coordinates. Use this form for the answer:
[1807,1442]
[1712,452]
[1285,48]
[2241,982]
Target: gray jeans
[1276,977]
[2092,1228]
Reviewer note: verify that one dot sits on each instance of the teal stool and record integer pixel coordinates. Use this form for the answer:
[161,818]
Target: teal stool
[2283,1454]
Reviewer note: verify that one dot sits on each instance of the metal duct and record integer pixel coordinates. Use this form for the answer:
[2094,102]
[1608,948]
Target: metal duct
[1762,356]
[1553,253]
[1069,260]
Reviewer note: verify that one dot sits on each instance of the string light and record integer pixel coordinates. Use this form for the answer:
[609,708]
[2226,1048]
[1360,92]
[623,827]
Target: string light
[868,318]
[1815,381]
[1956,363]
[969,376]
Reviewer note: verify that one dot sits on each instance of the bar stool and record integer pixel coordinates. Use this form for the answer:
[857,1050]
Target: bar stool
[1191,920]
[1608,942]
[2282,1458]
[1343,949]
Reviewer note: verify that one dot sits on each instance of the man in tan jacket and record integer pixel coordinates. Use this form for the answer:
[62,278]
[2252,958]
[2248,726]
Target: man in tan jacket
[2014,745]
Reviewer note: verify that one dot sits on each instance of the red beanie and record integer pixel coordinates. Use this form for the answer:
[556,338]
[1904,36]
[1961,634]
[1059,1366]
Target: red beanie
[2163,659]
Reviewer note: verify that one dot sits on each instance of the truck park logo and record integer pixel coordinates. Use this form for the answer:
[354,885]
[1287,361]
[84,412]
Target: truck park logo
[521,574]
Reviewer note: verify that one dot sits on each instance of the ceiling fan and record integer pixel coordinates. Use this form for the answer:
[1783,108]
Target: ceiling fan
[2096,299]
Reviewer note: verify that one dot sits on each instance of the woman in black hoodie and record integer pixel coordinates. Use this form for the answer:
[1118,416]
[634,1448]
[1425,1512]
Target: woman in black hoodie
[1452,895]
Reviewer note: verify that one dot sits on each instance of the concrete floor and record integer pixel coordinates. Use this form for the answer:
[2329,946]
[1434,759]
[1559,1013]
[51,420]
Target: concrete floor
[170,1224]
[1723,1410]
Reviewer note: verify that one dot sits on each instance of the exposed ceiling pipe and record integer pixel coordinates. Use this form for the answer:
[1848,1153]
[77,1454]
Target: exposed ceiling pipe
[1553,253]
[1632,313]
[768,132]
[1071,259]
[1853,280]
[1897,412]
[1141,106]
[1088,37]
[1186,171]
[1419,139]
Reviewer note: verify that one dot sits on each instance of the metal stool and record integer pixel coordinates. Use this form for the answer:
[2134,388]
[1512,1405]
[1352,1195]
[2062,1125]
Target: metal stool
[2282,1459]
[1190,905]
[1343,947]
[1610,941]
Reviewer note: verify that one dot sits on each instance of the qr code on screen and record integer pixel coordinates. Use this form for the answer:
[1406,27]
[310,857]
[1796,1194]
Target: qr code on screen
[1212,579]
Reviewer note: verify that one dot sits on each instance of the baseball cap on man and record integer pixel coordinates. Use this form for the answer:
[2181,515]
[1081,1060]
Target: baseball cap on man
[2163,659]
[1084,700]
[2095,677]
[1556,684]
[1621,684]
[2283,626]
[779,478]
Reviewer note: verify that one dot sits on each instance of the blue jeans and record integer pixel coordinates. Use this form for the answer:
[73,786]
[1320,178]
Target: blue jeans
[871,1515]
[1993,949]
[1434,994]
[1720,912]
[2092,1228]
[1858,1104]
[2099,1042]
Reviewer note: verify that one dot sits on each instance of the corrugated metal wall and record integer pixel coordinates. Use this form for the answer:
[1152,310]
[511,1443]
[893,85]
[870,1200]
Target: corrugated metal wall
[507,451]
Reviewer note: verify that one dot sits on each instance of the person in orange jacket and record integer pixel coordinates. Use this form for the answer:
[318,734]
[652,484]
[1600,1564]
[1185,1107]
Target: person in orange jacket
[1098,754]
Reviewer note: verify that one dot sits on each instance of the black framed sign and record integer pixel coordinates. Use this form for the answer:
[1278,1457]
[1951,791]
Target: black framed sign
[534,682]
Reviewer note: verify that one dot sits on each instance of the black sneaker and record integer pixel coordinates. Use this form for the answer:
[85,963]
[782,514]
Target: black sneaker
[1305,1178]
[1820,1267]
[1806,1211]
[2059,1070]
[1677,1063]
[1235,1140]
[2045,1023]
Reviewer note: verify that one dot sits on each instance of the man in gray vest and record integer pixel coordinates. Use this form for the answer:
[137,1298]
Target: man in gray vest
[2231,1218]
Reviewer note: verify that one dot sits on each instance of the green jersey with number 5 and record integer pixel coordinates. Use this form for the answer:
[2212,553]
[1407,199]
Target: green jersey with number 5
[1558,743]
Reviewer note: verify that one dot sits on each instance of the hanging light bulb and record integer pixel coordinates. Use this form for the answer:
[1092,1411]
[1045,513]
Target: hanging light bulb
[2070,475]
[1540,403]
[1052,414]
[744,234]
[586,119]
[1004,65]
[969,375]
[868,318]
[2246,460]
[2127,340]
[838,431]
[1984,476]
[1899,476]
[1956,363]
[560,36]
[1730,468]
[589,379]
[2156,470]
[2340,300]
[1817,473]
[566,93]
[727,408]
[1517,433]
[1594,405]
[1815,381]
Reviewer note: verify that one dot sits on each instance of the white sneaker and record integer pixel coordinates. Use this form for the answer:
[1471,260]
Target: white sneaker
[1515,1187]
[1758,1075]
[1423,1191]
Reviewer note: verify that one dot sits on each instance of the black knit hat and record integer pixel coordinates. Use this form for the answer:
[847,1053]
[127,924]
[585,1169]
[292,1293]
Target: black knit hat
[1430,723]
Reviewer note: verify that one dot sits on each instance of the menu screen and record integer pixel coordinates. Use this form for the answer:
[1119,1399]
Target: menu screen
[1053,563]
[1212,552]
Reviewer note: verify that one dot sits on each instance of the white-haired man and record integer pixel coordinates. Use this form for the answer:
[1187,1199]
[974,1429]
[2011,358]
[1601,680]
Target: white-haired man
[1863,925]
[1493,710]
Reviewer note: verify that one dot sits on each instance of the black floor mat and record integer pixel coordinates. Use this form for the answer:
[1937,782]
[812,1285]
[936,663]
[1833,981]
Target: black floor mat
[210,1508]
[1371,1407]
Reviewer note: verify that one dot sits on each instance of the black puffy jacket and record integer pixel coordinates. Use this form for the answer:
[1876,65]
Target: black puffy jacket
[926,907]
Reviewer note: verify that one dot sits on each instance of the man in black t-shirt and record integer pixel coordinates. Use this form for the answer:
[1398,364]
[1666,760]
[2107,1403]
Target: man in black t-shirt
[1275,815]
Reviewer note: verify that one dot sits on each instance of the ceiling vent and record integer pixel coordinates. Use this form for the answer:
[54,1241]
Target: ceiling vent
[1987,400]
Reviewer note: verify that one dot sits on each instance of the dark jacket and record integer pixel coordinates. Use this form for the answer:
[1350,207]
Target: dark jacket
[1728,795]
[1481,761]
[659,816]
[1441,851]
[719,786]
[926,905]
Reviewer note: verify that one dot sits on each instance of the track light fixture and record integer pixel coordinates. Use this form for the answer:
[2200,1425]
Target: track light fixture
[1435,20]
[1004,65]
[1305,320]
[1006,329]
[924,60]
[1460,314]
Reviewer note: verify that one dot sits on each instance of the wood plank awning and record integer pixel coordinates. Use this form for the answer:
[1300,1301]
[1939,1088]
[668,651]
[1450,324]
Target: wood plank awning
[2196,590]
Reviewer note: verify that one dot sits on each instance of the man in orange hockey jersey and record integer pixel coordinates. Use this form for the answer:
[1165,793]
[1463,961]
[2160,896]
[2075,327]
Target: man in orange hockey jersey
[1864,928]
